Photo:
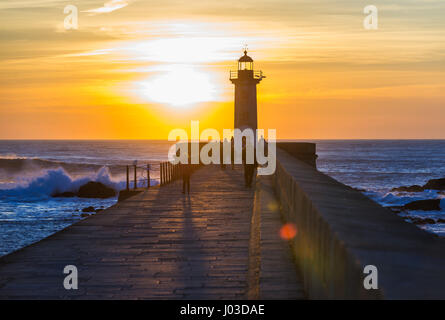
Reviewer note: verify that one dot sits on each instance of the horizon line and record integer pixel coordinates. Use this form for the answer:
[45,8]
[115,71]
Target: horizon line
[278,140]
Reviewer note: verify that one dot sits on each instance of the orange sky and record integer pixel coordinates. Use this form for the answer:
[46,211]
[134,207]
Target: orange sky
[137,69]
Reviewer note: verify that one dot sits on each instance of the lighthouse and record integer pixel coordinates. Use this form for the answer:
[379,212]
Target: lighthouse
[245,80]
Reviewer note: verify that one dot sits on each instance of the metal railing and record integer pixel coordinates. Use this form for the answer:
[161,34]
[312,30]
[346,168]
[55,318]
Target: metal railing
[141,178]
[233,75]
[169,172]
[257,74]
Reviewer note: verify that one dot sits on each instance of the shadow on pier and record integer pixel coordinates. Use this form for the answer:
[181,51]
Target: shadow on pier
[162,244]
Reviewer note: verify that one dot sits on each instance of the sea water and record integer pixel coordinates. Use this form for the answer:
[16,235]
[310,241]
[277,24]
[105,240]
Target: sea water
[31,171]
[377,166]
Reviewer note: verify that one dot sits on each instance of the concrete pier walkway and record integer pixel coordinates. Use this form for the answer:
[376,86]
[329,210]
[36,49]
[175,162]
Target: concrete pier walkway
[162,244]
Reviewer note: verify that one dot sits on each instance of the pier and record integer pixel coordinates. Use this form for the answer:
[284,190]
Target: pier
[162,244]
[223,242]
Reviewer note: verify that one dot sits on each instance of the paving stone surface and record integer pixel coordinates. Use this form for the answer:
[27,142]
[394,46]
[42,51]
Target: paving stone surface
[279,277]
[159,244]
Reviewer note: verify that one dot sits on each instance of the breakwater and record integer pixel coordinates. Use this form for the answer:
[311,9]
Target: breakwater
[340,231]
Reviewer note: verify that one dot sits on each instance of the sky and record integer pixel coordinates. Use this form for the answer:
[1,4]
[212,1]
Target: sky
[136,69]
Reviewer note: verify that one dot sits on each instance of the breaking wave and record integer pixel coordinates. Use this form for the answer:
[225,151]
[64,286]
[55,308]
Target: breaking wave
[53,181]
[58,180]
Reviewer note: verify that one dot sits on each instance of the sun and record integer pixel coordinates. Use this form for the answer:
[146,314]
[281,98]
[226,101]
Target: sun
[179,86]
[185,67]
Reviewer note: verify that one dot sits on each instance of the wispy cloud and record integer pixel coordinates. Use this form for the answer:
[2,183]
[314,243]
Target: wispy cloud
[109,6]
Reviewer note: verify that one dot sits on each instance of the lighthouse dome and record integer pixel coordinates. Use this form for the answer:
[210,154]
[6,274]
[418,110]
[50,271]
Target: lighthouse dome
[245,58]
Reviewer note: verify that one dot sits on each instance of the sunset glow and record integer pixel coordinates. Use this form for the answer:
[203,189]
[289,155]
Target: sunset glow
[131,63]
[179,86]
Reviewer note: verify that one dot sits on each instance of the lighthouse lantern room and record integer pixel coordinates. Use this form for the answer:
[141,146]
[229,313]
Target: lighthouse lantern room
[245,80]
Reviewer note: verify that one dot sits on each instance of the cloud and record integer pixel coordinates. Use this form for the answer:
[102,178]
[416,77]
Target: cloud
[109,6]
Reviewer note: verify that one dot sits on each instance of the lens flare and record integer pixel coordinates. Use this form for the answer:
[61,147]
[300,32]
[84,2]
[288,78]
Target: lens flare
[273,206]
[288,231]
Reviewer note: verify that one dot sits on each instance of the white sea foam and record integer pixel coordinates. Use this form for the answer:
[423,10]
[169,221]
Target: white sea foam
[401,198]
[11,156]
[49,182]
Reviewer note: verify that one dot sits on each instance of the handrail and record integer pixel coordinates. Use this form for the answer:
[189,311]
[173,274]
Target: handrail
[168,172]
[257,74]
[171,172]
[135,180]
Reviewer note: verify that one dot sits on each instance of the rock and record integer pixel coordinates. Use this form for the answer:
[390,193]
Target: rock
[95,190]
[435,184]
[84,215]
[64,195]
[440,220]
[359,190]
[429,221]
[414,188]
[88,209]
[91,209]
[396,209]
[416,220]
[124,194]
[425,205]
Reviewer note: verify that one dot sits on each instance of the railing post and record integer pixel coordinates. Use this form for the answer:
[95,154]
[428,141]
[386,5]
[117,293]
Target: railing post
[160,173]
[163,173]
[169,172]
[148,176]
[135,179]
[128,178]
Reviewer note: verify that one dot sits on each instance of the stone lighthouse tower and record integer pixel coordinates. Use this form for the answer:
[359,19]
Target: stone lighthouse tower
[245,80]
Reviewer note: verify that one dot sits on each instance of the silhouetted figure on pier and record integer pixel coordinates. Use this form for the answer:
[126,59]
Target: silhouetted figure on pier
[249,168]
[186,170]
[232,153]
[221,154]
[262,143]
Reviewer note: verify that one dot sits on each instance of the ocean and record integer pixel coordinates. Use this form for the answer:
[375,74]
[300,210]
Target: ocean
[31,171]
